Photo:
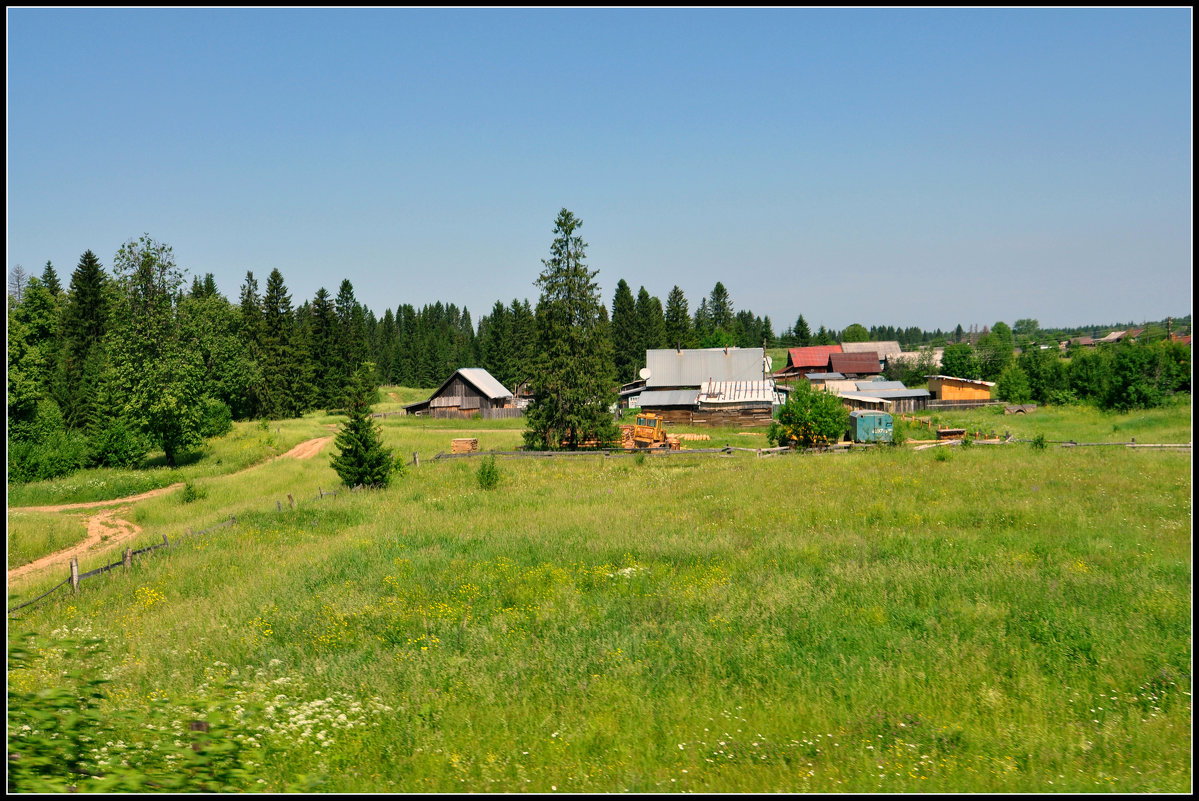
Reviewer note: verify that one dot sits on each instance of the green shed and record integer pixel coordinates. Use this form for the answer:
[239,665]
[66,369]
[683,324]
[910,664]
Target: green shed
[869,426]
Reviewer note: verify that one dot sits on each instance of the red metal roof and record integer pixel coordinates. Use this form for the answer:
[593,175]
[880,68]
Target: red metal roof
[811,356]
[854,363]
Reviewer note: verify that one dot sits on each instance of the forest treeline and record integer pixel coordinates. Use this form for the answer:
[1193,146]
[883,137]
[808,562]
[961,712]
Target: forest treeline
[121,362]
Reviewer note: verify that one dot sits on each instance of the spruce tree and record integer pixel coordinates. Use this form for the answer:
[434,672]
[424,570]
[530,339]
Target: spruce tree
[573,378]
[50,280]
[627,348]
[678,320]
[651,326]
[361,458]
[803,335]
[278,356]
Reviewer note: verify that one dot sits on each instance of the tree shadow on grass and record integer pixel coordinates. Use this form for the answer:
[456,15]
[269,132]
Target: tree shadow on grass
[181,459]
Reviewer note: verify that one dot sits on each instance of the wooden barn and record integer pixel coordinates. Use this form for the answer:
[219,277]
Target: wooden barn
[468,392]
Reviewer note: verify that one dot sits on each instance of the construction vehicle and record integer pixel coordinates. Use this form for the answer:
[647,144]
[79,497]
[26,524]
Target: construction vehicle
[648,431]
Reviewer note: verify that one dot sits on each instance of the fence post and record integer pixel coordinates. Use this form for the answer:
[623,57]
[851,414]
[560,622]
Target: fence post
[278,506]
[233,520]
[320,492]
[164,540]
[291,501]
[128,559]
[415,459]
[75,575]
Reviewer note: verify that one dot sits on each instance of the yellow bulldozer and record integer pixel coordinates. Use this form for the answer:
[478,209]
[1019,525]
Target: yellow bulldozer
[648,431]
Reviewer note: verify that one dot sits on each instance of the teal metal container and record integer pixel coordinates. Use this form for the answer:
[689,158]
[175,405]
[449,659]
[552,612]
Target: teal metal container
[867,426]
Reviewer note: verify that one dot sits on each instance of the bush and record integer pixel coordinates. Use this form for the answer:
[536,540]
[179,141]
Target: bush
[1039,443]
[489,474]
[192,493]
[1012,385]
[810,418]
[215,418]
[117,445]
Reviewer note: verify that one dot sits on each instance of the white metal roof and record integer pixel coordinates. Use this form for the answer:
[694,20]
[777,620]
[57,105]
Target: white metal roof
[668,397]
[484,382]
[690,368]
[885,349]
[716,393]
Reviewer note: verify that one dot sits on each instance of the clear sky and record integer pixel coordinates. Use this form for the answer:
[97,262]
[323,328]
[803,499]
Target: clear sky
[901,167]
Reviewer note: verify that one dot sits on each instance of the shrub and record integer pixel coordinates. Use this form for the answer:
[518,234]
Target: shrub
[193,493]
[117,445]
[215,418]
[489,474]
[1039,443]
[1012,385]
[810,418]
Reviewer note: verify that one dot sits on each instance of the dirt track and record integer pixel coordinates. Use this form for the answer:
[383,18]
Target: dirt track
[105,530]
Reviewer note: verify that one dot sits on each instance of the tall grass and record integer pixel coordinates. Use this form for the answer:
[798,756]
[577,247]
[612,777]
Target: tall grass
[1003,620]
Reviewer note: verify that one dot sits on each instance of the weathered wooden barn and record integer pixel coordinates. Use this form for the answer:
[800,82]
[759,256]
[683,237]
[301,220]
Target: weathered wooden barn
[468,392]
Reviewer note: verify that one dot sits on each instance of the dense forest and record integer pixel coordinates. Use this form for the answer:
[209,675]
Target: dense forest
[119,363]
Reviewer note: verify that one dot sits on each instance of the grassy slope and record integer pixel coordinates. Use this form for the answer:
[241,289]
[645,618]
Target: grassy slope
[992,622]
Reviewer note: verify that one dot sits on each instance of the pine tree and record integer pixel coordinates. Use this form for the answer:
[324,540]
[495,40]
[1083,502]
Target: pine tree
[720,306]
[361,458]
[803,335]
[278,355]
[50,280]
[327,368]
[572,382]
[678,320]
[627,349]
[651,326]
[84,322]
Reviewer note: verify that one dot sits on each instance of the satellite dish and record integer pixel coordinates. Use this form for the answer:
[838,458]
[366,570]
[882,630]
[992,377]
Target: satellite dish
[644,373]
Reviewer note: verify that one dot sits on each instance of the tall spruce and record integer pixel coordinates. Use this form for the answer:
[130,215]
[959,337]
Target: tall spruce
[84,322]
[651,326]
[803,334]
[278,351]
[572,382]
[626,343]
[678,320]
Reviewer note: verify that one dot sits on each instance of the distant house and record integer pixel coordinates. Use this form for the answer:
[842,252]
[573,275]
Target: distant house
[913,356]
[808,359]
[951,388]
[885,350]
[468,392]
[854,365]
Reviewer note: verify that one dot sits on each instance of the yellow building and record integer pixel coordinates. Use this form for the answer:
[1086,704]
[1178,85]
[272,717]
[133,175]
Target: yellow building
[945,387]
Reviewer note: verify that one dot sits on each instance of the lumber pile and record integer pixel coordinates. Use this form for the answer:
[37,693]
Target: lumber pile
[464,445]
[694,437]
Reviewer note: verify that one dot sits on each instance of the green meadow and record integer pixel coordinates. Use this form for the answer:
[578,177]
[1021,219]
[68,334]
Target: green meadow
[978,619]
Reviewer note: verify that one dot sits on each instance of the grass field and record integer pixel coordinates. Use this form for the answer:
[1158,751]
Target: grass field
[993,619]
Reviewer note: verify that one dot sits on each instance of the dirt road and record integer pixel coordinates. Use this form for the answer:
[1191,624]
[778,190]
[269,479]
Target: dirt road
[105,530]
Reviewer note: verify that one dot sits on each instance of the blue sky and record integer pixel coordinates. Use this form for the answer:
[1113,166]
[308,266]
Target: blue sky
[902,167]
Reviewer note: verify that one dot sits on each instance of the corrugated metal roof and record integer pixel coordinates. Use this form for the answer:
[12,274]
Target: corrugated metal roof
[668,397]
[963,380]
[484,382]
[854,363]
[894,393]
[873,386]
[825,377]
[885,349]
[733,392]
[811,355]
[690,368]
[864,398]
